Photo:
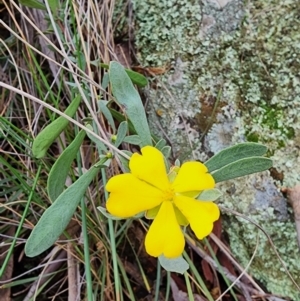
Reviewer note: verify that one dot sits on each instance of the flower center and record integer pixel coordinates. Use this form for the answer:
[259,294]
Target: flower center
[169,194]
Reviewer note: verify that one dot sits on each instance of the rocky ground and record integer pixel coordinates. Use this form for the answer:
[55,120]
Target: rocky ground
[226,72]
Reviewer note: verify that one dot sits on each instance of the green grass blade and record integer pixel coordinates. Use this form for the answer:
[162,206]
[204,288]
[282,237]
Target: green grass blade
[47,136]
[60,169]
[20,226]
[33,4]
[112,239]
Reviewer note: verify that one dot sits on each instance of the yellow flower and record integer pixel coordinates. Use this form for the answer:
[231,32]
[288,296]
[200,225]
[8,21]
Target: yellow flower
[170,200]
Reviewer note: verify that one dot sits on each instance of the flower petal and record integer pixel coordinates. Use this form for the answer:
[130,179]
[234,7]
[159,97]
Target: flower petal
[165,236]
[193,176]
[150,167]
[130,196]
[201,215]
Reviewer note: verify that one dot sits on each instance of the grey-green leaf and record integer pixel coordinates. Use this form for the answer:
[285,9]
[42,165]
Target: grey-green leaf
[241,168]
[124,161]
[160,144]
[166,151]
[102,104]
[133,139]
[122,131]
[177,265]
[105,81]
[100,145]
[47,136]
[209,195]
[56,218]
[234,153]
[128,97]
[60,169]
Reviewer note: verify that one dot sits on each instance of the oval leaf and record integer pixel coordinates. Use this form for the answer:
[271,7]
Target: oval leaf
[161,144]
[241,168]
[122,131]
[177,265]
[47,136]
[60,169]
[56,218]
[234,153]
[166,151]
[133,139]
[102,104]
[100,145]
[124,161]
[128,97]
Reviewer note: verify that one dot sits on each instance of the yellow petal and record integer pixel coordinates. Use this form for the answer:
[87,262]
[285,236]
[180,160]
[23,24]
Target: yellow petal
[201,215]
[150,167]
[193,176]
[130,196]
[165,236]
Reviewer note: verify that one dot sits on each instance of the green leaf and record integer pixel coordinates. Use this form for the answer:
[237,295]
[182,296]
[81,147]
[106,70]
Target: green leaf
[137,78]
[124,161]
[234,153]
[177,265]
[60,169]
[119,117]
[209,195]
[54,6]
[102,104]
[241,168]
[100,145]
[122,131]
[133,139]
[177,162]
[56,218]
[33,4]
[166,151]
[105,81]
[128,97]
[47,136]
[160,144]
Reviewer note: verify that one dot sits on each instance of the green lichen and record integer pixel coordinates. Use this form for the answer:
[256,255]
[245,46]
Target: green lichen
[165,30]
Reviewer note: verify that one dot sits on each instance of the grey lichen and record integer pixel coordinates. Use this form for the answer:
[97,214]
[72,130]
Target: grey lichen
[234,77]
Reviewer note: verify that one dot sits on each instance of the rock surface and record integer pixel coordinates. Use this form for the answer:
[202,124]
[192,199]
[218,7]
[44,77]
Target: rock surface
[232,75]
